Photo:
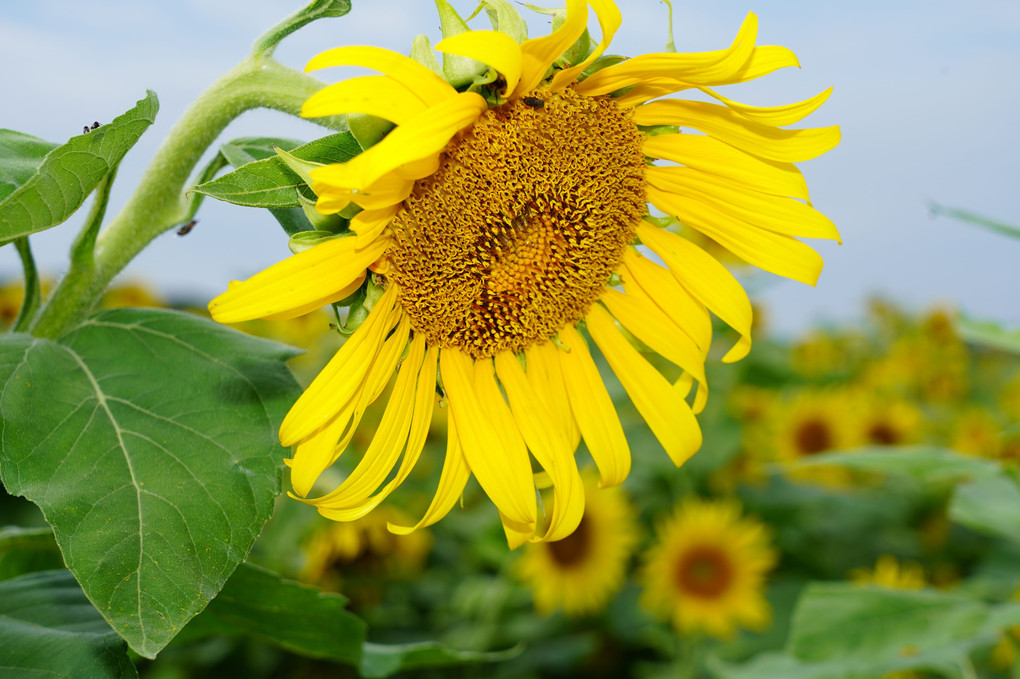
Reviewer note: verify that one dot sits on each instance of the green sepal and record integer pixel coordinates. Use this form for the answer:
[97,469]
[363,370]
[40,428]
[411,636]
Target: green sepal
[605,61]
[656,130]
[422,52]
[301,167]
[359,305]
[457,70]
[670,44]
[368,130]
[581,48]
[334,223]
[304,240]
[504,18]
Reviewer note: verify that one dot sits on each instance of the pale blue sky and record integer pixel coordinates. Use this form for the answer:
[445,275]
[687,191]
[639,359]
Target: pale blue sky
[926,92]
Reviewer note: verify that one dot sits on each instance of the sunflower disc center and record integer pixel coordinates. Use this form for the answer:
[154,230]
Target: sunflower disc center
[704,572]
[517,232]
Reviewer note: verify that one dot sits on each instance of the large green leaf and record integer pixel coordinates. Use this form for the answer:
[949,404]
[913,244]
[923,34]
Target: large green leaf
[989,334]
[69,172]
[989,505]
[270,183]
[296,617]
[49,629]
[148,439]
[926,464]
[20,157]
[383,660]
[26,550]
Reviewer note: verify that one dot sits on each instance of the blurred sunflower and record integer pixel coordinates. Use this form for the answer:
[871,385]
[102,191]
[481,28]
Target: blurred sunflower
[498,218]
[706,572]
[132,294]
[813,422]
[888,421]
[889,573]
[579,573]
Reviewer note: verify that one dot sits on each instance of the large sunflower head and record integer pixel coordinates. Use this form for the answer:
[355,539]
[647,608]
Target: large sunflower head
[580,573]
[706,571]
[505,213]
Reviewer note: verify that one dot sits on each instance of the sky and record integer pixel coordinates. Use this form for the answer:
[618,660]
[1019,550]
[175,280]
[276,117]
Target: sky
[926,94]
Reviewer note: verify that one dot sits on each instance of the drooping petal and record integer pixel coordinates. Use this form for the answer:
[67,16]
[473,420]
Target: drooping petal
[452,480]
[547,443]
[321,302]
[593,409]
[646,322]
[775,213]
[424,135]
[642,276]
[761,140]
[375,95]
[540,53]
[662,407]
[696,68]
[705,278]
[773,116]
[546,377]
[324,271]
[388,442]
[774,252]
[493,48]
[609,21]
[342,376]
[425,84]
[368,224]
[502,469]
[712,156]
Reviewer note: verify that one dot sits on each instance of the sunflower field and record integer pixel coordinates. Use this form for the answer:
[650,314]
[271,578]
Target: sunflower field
[511,406]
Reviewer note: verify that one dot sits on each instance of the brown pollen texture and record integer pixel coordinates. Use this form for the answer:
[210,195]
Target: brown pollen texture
[517,232]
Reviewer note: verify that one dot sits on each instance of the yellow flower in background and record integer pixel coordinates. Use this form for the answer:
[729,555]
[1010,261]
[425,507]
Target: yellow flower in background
[890,573]
[814,422]
[132,294]
[975,431]
[363,548]
[1010,399]
[580,573]
[497,220]
[888,421]
[706,572]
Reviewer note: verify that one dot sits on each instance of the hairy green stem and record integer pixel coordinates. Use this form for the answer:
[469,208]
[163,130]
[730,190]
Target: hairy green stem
[159,201]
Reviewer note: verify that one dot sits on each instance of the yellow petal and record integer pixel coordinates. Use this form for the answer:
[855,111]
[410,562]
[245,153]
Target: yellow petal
[774,116]
[705,278]
[642,276]
[609,21]
[779,254]
[422,136]
[539,53]
[712,156]
[762,140]
[593,409]
[313,455]
[342,376]
[493,48]
[501,467]
[654,328]
[375,95]
[757,210]
[547,443]
[321,302]
[387,443]
[321,272]
[664,409]
[692,68]
[546,377]
[417,78]
[368,224]
[452,480]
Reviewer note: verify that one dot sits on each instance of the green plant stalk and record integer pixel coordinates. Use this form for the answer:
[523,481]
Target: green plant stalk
[159,201]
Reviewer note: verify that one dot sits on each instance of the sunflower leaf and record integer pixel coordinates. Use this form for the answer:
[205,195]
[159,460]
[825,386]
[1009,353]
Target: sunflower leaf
[989,334]
[20,158]
[383,660]
[68,174]
[148,439]
[49,629]
[258,603]
[990,505]
[27,550]
[926,464]
[270,183]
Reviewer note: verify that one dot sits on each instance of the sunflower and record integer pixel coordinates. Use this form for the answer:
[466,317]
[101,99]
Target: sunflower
[498,219]
[889,573]
[888,421]
[579,573]
[813,422]
[706,572]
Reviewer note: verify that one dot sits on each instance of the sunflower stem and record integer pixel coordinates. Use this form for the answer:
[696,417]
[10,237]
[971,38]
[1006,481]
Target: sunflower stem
[159,201]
